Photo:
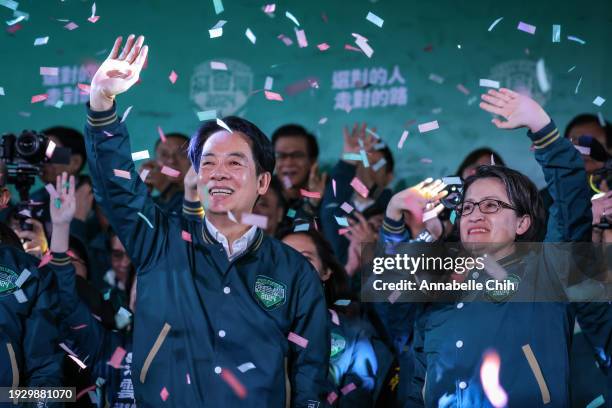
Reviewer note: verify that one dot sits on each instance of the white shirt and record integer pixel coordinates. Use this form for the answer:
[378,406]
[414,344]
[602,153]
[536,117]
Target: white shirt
[239,246]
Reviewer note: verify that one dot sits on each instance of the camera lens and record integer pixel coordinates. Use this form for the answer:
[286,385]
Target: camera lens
[28,145]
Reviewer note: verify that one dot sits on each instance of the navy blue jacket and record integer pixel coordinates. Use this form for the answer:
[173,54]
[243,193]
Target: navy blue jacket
[198,314]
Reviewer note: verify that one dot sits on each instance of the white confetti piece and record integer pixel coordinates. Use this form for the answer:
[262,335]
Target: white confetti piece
[599,101]
[374,19]
[144,173]
[218,6]
[243,368]
[429,126]
[400,144]
[571,69]
[49,71]
[25,274]
[394,296]
[528,28]
[364,46]
[578,86]
[169,171]
[78,361]
[257,220]
[492,26]
[15,21]
[556,33]
[543,82]
[346,207]
[585,150]
[217,30]
[141,155]
[268,84]
[436,78]
[322,121]
[249,34]
[41,41]
[269,8]
[20,296]
[231,216]
[488,83]
[301,38]
[59,104]
[126,113]
[224,125]
[207,115]
[292,18]
[379,164]
[141,215]
[576,39]
[9,4]
[602,121]
[1,91]
[219,66]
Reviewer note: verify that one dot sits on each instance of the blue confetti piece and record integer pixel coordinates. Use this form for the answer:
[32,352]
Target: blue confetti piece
[58,202]
[342,302]
[351,156]
[342,221]
[291,213]
[597,402]
[453,216]
[141,215]
[556,33]
[301,227]
[364,158]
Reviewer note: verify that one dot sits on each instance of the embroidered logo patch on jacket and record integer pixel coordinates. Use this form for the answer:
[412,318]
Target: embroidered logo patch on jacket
[8,277]
[269,292]
[338,344]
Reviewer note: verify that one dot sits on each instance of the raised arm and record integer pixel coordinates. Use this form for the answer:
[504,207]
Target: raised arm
[138,222]
[570,214]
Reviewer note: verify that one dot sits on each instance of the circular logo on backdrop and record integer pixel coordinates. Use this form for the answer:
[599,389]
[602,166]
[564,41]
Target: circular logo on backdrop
[526,77]
[224,90]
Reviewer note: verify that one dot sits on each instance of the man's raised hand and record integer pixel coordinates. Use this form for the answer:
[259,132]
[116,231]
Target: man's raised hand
[118,72]
[517,110]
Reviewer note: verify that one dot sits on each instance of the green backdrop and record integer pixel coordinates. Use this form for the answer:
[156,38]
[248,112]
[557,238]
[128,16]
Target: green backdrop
[435,46]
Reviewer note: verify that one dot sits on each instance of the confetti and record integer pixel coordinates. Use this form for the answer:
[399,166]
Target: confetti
[576,39]
[429,126]
[79,362]
[425,160]
[453,180]
[79,327]
[141,215]
[25,274]
[286,40]
[243,368]
[334,186]
[9,4]
[287,182]
[597,402]
[173,77]
[578,86]
[342,221]
[556,33]
[379,164]
[169,171]
[143,174]
[59,104]
[343,231]
[161,134]
[269,8]
[269,82]
[528,28]
[362,43]
[84,88]
[257,220]
[489,377]
[292,18]
[207,115]
[394,296]
[141,155]
[250,35]
[543,82]
[217,30]
[51,190]
[71,26]
[334,317]
[322,121]
[218,10]
[164,392]
[117,357]
[49,71]
[273,96]
[50,149]
[309,194]
[331,398]
[400,144]
[93,18]
[492,26]
[45,259]
[186,236]
[188,378]
[234,384]
[126,113]
[41,41]
[223,125]
[297,339]
[122,173]
[585,150]
[67,349]
[599,101]
[1,91]
[359,187]
[231,216]
[351,156]
[571,69]
[301,38]
[291,213]
[436,78]
[364,158]
[15,20]
[346,207]
[301,227]
[323,47]
[463,89]
[602,121]
[374,19]
[431,214]
[348,388]
[342,302]
[218,66]
[489,83]
[39,98]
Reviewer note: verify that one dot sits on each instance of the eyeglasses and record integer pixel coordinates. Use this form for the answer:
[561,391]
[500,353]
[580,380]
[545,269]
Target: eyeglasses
[487,206]
[116,254]
[291,155]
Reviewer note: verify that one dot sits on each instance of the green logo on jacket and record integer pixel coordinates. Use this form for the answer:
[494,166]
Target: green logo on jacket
[269,292]
[338,344]
[7,280]
[503,295]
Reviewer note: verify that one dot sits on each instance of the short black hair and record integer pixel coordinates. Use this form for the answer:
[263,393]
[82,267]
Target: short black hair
[262,150]
[474,155]
[177,135]
[293,130]
[70,138]
[522,193]
[585,118]
[8,237]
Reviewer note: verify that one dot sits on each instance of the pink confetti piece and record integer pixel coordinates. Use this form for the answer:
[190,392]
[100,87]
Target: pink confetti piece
[93,19]
[309,194]
[49,71]
[297,339]
[169,171]
[161,133]
[334,317]
[343,231]
[78,361]
[286,40]
[84,88]
[234,384]
[348,388]
[400,144]
[528,28]
[144,173]
[273,96]
[173,77]
[429,126]
[164,394]
[79,327]
[71,26]
[86,390]
[217,30]
[394,296]
[489,378]
[47,257]
[257,220]
[351,48]
[269,8]
[334,186]
[217,65]
[122,173]
[347,208]
[39,98]
[463,89]
[117,357]
[301,38]
[188,379]
[186,236]
[360,187]
[323,46]
[331,398]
